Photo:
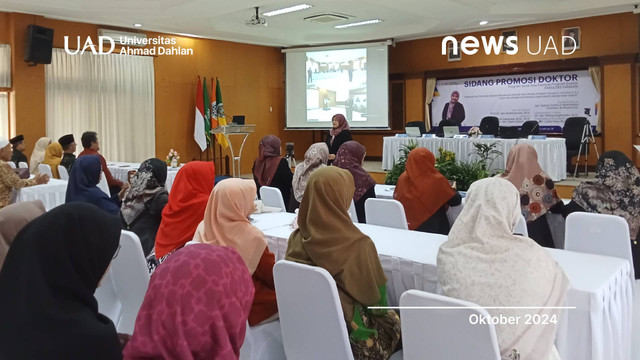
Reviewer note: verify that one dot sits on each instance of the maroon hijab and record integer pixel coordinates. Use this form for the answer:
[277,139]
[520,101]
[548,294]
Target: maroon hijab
[196,307]
[349,157]
[268,159]
[342,125]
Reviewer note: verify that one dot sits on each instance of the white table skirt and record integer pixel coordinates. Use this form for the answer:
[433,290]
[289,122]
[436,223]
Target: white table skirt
[120,171]
[552,153]
[51,194]
[598,329]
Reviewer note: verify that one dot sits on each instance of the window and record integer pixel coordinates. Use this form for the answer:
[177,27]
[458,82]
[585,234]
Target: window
[4,114]
[5,66]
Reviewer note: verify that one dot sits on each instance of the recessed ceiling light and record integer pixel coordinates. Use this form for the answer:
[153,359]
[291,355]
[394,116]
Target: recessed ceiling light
[367,22]
[484,22]
[137,25]
[287,10]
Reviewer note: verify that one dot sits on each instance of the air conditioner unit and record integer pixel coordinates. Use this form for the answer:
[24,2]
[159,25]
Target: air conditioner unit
[124,37]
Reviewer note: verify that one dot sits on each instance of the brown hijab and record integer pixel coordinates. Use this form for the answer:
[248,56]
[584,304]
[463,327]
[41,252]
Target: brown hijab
[13,218]
[349,157]
[268,159]
[342,125]
[326,237]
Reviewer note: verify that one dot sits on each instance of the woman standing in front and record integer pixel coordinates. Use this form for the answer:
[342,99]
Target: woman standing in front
[339,134]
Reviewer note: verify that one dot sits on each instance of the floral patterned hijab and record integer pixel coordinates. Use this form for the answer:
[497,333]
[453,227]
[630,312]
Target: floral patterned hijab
[315,158]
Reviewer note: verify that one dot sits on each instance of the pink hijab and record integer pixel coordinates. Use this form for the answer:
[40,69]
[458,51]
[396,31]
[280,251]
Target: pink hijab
[268,159]
[349,157]
[196,307]
[342,125]
[226,221]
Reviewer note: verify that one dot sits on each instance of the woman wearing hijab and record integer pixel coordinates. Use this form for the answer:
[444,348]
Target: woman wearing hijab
[425,194]
[53,157]
[184,211]
[350,157]
[537,191]
[226,223]
[316,157]
[271,169]
[339,134]
[144,201]
[83,186]
[12,219]
[326,237]
[485,263]
[453,110]
[615,191]
[196,307]
[37,156]
[47,283]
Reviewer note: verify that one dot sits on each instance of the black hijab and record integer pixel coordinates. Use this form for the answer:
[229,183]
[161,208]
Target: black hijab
[47,308]
[83,185]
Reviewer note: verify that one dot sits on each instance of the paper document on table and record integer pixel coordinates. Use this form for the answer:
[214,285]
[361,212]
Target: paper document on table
[637,147]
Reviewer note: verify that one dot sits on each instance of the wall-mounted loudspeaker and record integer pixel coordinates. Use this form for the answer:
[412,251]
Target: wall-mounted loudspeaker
[39,44]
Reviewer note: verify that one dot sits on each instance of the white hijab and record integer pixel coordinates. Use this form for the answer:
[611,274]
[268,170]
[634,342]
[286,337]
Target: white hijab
[483,262]
[37,156]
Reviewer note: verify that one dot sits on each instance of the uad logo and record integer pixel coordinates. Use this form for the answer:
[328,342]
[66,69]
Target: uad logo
[88,44]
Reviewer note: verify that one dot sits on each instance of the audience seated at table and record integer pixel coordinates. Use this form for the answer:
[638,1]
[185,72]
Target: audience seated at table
[37,156]
[350,157]
[184,211]
[316,157]
[12,219]
[615,191]
[19,146]
[52,157]
[91,147]
[485,263]
[196,307]
[326,237]
[47,283]
[537,192]
[226,223]
[425,193]
[9,180]
[339,134]
[143,202]
[68,144]
[83,186]
[271,169]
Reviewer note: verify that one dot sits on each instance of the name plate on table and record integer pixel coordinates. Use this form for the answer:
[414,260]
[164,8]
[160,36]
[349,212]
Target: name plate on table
[537,137]
[460,136]
[402,135]
[429,136]
[487,136]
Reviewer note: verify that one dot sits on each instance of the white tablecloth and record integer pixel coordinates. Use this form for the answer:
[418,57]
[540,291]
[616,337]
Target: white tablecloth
[120,171]
[51,194]
[552,153]
[598,329]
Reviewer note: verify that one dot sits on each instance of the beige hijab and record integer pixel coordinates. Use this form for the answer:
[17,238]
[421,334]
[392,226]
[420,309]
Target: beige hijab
[226,221]
[316,157]
[12,219]
[37,157]
[483,262]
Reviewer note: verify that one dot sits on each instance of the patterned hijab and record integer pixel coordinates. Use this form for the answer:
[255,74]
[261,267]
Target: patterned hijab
[12,219]
[616,190]
[485,263]
[349,157]
[315,158]
[326,237]
[342,125]
[537,190]
[52,157]
[145,184]
[421,188]
[196,307]
[37,156]
[226,221]
[265,166]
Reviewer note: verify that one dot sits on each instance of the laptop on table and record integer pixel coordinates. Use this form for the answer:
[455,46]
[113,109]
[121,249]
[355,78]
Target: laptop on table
[450,131]
[413,131]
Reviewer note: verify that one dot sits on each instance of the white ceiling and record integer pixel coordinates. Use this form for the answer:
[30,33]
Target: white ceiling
[403,19]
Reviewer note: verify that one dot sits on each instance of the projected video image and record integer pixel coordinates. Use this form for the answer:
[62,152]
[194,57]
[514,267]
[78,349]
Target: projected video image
[336,83]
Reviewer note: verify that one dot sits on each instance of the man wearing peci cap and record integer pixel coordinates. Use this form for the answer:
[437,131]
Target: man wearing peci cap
[19,146]
[9,180]
[69,148]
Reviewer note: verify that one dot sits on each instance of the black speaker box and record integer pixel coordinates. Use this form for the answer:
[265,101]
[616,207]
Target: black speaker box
[39,45]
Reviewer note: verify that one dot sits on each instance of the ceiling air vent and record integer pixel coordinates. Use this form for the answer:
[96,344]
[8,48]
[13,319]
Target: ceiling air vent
[327,18]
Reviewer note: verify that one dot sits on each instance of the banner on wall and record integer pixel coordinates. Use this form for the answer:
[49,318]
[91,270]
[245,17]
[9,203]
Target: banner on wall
[549,98]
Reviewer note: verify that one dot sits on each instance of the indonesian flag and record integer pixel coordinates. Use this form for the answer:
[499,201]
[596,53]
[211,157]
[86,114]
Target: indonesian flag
[220,112]
[198,126]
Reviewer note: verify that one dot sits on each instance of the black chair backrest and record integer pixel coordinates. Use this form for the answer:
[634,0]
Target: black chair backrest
[530,127]
[572,131]
[489,125]
[418,124]
[441,126]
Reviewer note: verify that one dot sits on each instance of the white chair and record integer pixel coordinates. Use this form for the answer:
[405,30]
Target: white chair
[521,227]
[443,334]
[272,197]
[353,213]
[263,341]
[385,212]
[108,303]
[103,184]
[23,165]
[64,174]
[11,164]
[45,169]
[130,279]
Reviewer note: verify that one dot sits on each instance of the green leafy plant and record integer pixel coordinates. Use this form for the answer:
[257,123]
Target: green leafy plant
[469,172]
[398,167]
[486,152]
[446,163]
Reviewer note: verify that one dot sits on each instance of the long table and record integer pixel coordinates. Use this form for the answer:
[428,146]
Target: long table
[552,153]
[51,194]
[601,289]
[120,171]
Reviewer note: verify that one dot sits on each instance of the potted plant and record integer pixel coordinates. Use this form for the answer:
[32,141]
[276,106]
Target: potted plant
[173,159]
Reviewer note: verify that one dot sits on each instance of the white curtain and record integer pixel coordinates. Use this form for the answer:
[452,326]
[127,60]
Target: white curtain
[430,86]
[4,115]
[5,65]
[112,95]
